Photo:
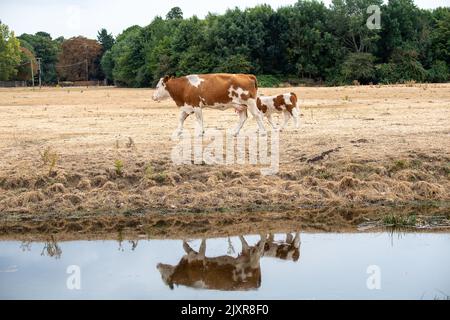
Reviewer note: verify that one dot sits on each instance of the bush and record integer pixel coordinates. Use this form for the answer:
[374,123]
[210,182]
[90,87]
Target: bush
[360,67]
[268,81]
[386,73]
[438,72]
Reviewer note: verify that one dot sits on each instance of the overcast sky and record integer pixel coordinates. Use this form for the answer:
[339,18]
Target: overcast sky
[70,18]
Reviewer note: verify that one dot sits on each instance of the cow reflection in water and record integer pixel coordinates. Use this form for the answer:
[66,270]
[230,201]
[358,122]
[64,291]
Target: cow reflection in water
[228,273]
[220,273]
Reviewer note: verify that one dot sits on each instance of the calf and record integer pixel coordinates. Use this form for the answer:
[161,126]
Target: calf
[217,91]
[283,103]
[289,249]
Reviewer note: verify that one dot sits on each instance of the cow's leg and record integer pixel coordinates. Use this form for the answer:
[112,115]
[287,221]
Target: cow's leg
[289,238]
[245,246]
[187,248]
[202,250]
[296,241]
[261,244]
[199,115]
[182,117]
[242,118]
[269,118]
[296,115]
[287,116]
[253,108]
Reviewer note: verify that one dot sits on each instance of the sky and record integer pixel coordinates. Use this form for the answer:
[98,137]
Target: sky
[70,18]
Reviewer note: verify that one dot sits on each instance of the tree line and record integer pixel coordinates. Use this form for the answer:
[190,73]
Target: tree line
[307,42]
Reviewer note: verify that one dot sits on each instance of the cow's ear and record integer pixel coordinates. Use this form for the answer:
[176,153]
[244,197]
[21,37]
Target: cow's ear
[166,78]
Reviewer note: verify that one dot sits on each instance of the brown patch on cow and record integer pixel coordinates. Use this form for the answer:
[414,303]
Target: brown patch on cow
[278,102]
[262,107]
[213,90]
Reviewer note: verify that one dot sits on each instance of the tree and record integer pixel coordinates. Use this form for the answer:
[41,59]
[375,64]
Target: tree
[308,42]
[128,58]
[359,66]
[440,35]
[107,65]
[24,69]
[404,26]
[105,39]
[348,18]
[79,59]
[174,14]
[9,53]
[46,49]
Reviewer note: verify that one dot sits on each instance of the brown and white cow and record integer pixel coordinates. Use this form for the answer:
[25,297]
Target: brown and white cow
[224,273]
[284,103]
[219,91]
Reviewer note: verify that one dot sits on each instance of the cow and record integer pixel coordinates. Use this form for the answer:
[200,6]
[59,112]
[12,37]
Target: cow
[224,273]
[283,103]
[218,91]
[289,249]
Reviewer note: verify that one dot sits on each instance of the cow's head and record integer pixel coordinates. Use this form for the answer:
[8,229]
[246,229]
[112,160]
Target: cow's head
[161,92]
[166,273]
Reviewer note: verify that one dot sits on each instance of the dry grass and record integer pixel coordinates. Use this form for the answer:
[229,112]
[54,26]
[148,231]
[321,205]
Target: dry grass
[109,152]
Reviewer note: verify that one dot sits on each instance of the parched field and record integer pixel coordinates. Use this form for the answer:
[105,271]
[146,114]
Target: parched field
[84,152]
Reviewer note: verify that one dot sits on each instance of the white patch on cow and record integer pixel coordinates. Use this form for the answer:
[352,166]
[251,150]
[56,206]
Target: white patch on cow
[195,80]
[287,98]
[161,92]
[187,108]
[236,94]
[269,103]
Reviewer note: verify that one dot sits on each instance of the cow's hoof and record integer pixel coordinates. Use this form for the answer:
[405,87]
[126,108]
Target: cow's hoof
[177,135]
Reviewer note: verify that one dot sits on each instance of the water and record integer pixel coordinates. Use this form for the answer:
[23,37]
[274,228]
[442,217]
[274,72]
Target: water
[322,266]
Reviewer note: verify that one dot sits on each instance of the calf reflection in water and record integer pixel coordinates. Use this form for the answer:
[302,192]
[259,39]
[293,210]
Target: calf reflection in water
[224,273]
[289,249]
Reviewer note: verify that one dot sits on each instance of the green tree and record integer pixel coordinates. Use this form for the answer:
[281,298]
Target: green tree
[107,65]
[308,42]
[440,35]
[128,57]
[348,18]
[46,49]
[105,39]
[359,66]
[10,55]
[174,13]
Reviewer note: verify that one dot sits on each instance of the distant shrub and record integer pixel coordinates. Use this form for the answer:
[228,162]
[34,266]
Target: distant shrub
[268,81]
[386,73]
[358,67]
[438,72]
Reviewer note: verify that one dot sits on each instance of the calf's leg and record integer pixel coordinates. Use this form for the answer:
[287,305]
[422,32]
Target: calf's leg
[287,116]
[269,118]
[253,108]
[296,115]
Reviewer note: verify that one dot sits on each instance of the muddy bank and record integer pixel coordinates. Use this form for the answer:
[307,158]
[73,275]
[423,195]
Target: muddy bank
[190,225]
